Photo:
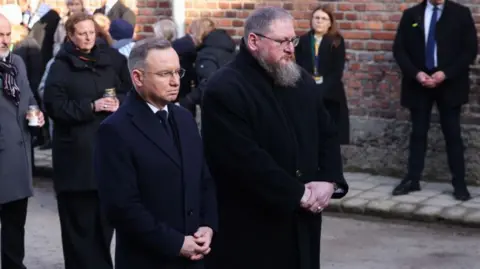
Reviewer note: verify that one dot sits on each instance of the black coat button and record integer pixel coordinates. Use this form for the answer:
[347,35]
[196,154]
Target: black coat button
[190,212]
[298,173]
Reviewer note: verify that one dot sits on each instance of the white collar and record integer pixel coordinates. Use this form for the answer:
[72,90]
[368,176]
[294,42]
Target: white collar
[155,109]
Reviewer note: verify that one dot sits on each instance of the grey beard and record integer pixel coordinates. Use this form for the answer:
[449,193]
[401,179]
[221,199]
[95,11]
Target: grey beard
[283,75]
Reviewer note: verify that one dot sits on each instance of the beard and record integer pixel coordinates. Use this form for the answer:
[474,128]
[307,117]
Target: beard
[285,75]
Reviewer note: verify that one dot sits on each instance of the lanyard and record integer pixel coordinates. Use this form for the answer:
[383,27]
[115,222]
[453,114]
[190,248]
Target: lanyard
[315,58]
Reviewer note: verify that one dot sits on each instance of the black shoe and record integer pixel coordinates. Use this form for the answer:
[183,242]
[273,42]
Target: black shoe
[405,187]
[461,194]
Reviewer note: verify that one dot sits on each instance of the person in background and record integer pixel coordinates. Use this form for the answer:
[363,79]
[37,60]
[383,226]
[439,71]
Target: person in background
[186,48]
[321,52]
[165,28]
[116,9]
[73,6]
[15,155]
[42,22]
[149,164]
[122,35]
[217,49]
[103,29]
[435,44]
[84,91]
[273,152]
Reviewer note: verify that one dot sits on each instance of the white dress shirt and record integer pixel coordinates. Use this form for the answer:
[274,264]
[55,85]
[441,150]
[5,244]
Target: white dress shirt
[427,19]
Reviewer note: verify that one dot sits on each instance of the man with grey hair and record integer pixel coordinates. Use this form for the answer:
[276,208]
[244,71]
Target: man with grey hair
[153,180]
[272,150]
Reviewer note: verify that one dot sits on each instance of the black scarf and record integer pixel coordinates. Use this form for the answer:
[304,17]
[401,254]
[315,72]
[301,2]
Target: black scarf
[89,58]
[8,73]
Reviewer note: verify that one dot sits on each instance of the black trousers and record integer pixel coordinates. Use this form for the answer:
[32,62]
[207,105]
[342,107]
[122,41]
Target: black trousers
[13,216]
[450,124]
[86,233]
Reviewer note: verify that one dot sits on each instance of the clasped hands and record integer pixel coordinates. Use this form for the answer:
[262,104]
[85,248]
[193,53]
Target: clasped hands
[317,196]
[431,81]
[197,246]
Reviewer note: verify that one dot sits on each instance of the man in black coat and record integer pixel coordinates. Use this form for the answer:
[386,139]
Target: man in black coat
[435,44]
[153,180]
[272,150]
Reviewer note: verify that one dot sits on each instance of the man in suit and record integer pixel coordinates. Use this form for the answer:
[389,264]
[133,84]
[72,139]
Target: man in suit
[435,44]
[116,9]
[15,155]
[273,150]
[149,164]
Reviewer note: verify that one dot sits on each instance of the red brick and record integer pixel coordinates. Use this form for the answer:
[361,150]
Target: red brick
[211,5]
[218,14]
[205,14]
[237,23]
[351,16]
[360,7]
[249,6]
[224,5]
[344,7]
[356,35]
[375,7]
[236,5]
[224,23]
[231,14]
[345,25]
[383,35]
[288,6]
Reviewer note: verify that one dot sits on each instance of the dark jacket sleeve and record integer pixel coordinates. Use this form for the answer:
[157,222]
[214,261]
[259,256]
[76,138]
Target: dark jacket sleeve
[331,81]
[124,77]
[399,52]
[209,201]
[330,167]
[119,195]
[467,55]
[230,147]
[57,102]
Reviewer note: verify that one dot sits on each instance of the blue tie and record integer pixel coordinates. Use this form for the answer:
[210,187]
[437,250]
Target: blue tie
[430,49]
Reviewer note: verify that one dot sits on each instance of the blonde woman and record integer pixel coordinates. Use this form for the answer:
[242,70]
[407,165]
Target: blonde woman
[73,6]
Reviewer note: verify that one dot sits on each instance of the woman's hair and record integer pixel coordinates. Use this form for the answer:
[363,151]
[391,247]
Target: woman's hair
[200,28]
[102,25]
[333,32]
[70,1]
[165,28]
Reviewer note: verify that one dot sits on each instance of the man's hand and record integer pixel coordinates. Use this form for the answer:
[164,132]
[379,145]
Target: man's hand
[191,249]
[203,237]
[438,77]
[426,80]
[321,192]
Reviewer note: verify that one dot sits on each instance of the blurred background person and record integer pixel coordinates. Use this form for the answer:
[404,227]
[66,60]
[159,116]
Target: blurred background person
[165,28]
[116,9]
[78,98]
[321,52]
[217,49]
[122,35]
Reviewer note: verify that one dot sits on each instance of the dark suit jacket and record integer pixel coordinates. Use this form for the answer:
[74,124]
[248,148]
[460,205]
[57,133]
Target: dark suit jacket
[31,55]
[456,38]
[153,195]
[330,67]
[119,11]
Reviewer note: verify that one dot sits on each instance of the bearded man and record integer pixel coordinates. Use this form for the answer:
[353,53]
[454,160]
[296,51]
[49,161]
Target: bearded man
[273,152]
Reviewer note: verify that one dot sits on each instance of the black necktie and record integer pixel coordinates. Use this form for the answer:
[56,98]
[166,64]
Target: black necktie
[163,116]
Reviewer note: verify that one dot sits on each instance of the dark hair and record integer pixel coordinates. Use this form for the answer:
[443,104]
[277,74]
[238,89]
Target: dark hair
[333,32]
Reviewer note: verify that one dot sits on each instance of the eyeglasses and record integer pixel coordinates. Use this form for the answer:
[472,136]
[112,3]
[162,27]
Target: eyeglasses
[284,42]
[164,74]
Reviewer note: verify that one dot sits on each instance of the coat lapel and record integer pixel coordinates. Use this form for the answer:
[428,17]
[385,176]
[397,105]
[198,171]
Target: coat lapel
[420,18]
[144,119]
[181,132]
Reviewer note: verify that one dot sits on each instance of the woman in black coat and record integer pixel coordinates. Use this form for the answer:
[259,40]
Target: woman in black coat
[74,98]
[321,52]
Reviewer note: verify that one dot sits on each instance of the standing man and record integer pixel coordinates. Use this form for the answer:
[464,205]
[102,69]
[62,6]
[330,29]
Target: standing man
[15,155]
[153,180]
[438,74]
[272,150]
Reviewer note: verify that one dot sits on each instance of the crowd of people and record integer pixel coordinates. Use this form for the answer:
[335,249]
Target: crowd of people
[128,155]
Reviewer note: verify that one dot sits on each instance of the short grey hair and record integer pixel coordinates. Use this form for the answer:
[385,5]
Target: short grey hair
[139,52]
[261,19]
[166,29]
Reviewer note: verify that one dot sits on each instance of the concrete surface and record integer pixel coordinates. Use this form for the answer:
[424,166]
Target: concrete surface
[370,195]
[346,244]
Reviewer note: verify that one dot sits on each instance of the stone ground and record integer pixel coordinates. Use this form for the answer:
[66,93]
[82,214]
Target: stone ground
[370,195]
[347,243]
